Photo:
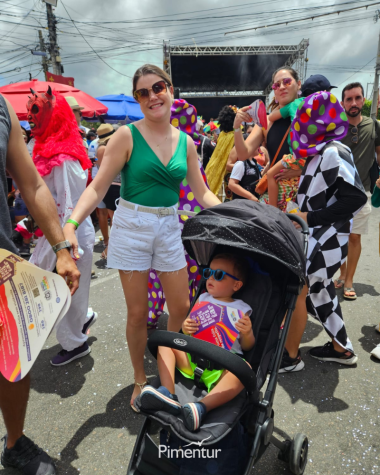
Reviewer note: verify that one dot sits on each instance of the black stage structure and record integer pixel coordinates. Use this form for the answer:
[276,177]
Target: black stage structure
[210,77]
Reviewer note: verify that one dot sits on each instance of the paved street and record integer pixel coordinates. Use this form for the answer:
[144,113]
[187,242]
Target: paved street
[81,413]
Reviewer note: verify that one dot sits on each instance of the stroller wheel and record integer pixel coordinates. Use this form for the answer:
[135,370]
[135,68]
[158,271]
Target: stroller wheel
[298,454]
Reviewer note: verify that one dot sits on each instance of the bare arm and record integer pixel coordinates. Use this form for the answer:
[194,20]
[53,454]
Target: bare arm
[275,115]
[38,198]
[232,158]
[100,154]
[236,188]
[246,148]
[203,195]
[115,155]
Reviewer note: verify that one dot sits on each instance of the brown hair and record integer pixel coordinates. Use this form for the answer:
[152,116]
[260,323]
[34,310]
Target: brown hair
[350,86]
[241,266]
[273,105]
[150,69]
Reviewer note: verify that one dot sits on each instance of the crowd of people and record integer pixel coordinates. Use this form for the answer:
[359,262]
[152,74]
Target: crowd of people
[318,156]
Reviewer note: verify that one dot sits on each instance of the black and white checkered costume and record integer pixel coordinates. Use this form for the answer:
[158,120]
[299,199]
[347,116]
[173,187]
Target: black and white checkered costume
[328,245]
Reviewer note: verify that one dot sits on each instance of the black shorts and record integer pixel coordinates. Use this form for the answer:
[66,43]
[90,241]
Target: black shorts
[111,196]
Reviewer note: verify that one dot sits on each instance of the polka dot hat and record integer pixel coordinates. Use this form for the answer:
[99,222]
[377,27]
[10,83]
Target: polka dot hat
[319,120]
[184,117]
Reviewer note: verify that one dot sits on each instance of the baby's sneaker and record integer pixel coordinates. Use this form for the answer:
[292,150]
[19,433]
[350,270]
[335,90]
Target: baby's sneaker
[192,414]
[160,399]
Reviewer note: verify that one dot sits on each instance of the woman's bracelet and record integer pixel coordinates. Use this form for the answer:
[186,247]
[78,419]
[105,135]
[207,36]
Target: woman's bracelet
[237,130]
[72,221]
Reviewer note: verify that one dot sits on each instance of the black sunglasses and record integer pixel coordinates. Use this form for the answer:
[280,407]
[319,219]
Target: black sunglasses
[354,135]
[217,273]
[158,88]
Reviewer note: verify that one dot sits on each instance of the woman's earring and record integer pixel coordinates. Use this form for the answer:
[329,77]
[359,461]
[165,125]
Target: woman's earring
[276,101]
[299,92]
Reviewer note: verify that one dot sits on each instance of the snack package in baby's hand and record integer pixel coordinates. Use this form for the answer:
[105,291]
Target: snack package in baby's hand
[216,323]
[259,114]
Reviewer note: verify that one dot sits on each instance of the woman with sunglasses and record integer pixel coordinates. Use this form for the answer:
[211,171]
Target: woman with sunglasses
[286,85]
[153,157]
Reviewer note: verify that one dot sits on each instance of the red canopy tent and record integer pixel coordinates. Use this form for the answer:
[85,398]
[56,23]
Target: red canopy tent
[17,94]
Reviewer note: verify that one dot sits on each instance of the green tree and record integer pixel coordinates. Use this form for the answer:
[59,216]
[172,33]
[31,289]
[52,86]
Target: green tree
[367,109]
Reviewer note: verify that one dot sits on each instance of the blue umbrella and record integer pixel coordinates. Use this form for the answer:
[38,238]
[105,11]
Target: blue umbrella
[25,124]
[121,108]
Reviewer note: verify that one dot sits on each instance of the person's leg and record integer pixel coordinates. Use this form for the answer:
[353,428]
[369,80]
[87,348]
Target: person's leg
[103,224]
[176,290]
[297,325]
[228,387]
[354,251]
[69,330]
[135,285]
[13,401]
[167,360]
[110,215]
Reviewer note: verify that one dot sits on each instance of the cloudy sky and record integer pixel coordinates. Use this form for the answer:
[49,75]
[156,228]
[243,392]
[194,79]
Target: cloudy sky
[102,43]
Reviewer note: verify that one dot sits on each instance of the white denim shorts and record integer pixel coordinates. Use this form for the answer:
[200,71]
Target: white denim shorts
[360,220]
[141,241]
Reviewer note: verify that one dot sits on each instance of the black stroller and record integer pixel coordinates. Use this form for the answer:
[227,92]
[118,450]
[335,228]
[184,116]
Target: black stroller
[276,250]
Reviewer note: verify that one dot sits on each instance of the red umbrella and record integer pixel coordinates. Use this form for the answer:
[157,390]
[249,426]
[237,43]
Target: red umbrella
[17,94]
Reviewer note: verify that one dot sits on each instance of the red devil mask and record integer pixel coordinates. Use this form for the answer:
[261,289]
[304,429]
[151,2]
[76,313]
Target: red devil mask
[40,109]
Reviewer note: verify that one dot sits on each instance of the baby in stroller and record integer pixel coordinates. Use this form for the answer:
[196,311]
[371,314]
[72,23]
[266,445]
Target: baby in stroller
[225,276]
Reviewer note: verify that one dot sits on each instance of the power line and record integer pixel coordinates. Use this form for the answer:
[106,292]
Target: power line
[101,59]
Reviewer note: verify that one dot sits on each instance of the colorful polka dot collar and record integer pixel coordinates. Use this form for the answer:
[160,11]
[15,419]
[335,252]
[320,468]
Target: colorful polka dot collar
[319,120]
[184,118]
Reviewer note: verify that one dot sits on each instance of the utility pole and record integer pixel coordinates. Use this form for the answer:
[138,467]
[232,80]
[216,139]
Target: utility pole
[54,50]
[375,98]
[43,49]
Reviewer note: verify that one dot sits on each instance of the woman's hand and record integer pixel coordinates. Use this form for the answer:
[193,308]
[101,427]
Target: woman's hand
[253,198]
[189,326]
[378,182]
[67,269]
[244,325]
[288,173]
[69,232]
[242,116]
[302,216]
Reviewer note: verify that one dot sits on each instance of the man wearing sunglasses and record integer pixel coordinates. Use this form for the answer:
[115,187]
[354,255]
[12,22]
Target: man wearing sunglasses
[363,139]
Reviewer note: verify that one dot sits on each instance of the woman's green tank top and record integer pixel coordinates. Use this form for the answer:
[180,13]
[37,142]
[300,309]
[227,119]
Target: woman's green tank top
[145,180]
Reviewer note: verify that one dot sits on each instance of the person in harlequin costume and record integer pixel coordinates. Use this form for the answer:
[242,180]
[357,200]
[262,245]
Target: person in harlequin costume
[184,118]
[61,160]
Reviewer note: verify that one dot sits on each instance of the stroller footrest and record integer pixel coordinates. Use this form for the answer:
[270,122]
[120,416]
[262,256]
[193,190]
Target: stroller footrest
[151,462]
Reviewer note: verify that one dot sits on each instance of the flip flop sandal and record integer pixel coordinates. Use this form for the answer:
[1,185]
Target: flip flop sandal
[349,290]
[104,253]
[339,283]
[141,386]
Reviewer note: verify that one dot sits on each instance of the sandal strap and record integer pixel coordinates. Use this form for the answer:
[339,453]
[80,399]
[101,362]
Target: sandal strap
[349,289]
[141,385]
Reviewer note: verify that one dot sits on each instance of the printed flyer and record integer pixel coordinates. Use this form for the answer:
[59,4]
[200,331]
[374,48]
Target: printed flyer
[217,323]
[32,301]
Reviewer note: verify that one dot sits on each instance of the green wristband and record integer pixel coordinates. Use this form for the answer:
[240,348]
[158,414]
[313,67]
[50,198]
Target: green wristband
[75,223]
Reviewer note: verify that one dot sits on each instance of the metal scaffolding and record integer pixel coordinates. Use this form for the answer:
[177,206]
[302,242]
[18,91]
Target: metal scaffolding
[297,60]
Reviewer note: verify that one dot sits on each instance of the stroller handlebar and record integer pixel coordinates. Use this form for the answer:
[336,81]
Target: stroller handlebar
[304,228]
[206,350]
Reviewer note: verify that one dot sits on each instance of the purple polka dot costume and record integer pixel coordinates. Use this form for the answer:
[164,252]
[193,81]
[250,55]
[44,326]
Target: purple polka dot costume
[183,117]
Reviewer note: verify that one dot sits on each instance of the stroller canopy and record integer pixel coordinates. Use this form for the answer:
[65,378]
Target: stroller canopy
[249,226]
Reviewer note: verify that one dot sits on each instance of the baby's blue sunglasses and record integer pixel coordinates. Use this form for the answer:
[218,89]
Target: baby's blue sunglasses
[217,273]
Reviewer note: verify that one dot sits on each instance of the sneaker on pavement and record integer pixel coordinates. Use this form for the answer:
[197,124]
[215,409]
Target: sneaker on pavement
[24,250]
[291,365]
[89,322]
[27,457]
[65,357]
[327,353]
[160,399]
[376,352]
